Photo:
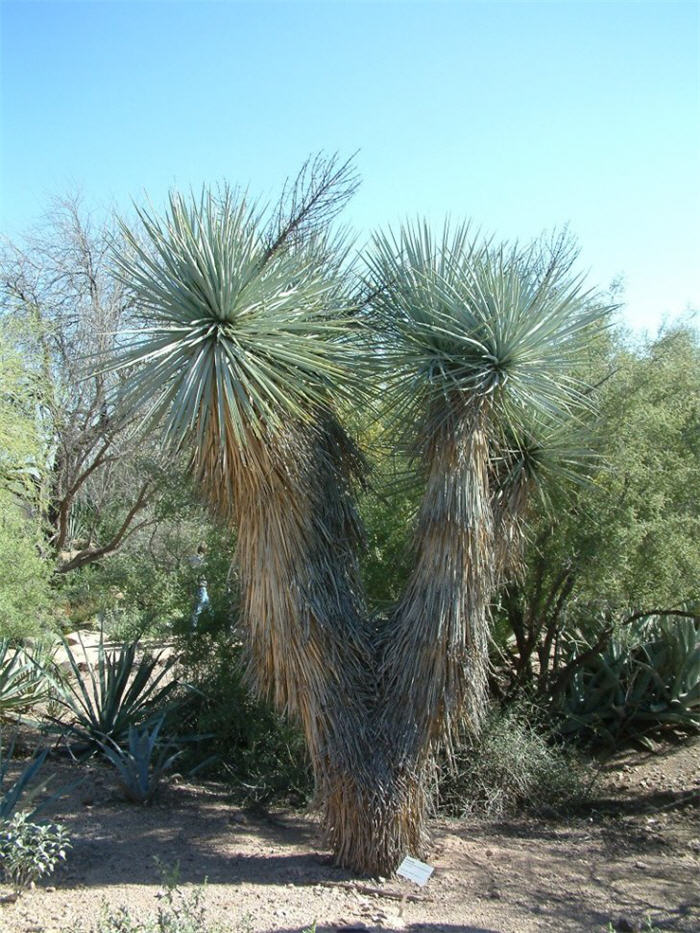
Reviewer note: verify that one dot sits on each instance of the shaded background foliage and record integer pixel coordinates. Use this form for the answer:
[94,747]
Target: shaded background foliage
[622,544]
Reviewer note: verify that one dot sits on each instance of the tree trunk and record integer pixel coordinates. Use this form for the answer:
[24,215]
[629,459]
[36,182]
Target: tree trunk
[372,705]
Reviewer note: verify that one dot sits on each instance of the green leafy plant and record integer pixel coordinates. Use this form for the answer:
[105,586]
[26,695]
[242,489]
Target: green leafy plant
[645,679]
[180,912]
[29,851]
[143,763]
[125,689]
[627,538]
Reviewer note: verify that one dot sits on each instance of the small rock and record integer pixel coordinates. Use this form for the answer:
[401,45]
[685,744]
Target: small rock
[625,925]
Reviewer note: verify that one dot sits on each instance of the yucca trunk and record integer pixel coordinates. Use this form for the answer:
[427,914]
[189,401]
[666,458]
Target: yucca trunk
[435,659]
[369,721]
[302,608]
[435,655]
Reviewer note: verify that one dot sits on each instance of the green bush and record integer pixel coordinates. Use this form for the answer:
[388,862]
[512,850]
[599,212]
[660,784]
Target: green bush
[148,588]
[511,766]
[29,851]
[242,739]
[24,576]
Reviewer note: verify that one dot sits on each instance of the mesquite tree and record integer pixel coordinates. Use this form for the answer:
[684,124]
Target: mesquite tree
[253,342]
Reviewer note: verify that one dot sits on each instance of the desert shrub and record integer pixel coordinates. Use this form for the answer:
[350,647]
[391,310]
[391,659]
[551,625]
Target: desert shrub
[25,598]
[149,587]
[513,765]
[179,911]
[29,851]
[242,740]
[647,678]
[24,574]
[625,540]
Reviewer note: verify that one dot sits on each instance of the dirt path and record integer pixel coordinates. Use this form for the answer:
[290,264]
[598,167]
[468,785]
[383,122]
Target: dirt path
[635,854]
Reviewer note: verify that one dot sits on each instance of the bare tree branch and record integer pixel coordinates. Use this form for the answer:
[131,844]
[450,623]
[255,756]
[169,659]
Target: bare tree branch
[90,555]
[310,202]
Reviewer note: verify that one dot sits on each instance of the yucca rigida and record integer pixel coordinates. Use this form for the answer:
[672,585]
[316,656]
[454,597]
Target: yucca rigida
[255,330]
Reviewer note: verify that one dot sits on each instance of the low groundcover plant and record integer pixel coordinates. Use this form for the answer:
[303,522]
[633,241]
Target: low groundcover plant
[30,851]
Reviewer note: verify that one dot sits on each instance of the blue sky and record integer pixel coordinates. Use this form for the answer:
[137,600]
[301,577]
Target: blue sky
[520,115]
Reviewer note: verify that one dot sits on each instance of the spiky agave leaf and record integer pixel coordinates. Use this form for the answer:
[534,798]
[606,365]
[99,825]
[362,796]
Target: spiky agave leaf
[239,341]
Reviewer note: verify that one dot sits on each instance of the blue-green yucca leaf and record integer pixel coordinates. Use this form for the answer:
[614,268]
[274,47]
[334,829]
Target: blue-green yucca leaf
[232,340]
[540,454]
[460,321]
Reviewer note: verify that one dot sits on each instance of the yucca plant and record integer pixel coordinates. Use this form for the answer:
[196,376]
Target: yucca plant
[246,350]
[477,339]
[247,337]
[124,687]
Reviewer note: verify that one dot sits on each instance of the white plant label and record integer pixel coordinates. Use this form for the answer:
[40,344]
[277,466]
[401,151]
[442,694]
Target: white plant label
[415,870]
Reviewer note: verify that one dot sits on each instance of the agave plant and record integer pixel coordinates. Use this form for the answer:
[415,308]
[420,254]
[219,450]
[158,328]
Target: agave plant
[22,787]
[22,682]
[143,761]
[643,681]
[123,688]
[246,351]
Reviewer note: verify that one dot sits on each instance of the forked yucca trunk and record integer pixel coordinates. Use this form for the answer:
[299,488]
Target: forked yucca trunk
[433,664]
[372,707]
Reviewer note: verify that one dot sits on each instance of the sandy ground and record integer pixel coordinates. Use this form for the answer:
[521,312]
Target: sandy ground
[633,854]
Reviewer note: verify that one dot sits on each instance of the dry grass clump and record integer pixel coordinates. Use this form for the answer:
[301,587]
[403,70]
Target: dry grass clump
[512,767]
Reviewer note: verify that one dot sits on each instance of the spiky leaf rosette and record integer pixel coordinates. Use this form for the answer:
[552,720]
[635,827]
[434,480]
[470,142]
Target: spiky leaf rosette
[240,340]
[463,322]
